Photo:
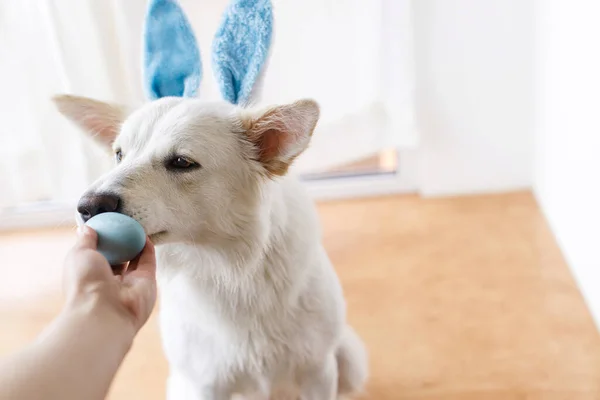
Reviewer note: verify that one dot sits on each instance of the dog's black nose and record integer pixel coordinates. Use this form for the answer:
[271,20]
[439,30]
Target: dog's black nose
[94,204]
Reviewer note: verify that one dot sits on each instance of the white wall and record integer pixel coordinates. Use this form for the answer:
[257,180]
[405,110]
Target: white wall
[474,94]
[567,139]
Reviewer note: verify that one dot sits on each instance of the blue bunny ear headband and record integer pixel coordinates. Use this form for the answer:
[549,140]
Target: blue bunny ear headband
[172,64]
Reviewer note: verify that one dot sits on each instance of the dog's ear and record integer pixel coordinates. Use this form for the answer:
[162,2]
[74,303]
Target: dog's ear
[282,133]
[101,120]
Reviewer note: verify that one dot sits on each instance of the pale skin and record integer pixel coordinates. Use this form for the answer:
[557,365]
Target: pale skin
[78,355]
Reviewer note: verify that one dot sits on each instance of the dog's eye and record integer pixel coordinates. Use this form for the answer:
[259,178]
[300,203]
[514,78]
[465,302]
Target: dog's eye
[181,163]
[118,156]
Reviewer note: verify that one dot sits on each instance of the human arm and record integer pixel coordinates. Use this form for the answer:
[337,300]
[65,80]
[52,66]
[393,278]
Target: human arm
[78,355]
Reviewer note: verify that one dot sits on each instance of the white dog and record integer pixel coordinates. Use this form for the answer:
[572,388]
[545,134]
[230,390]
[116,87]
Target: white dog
[250,303]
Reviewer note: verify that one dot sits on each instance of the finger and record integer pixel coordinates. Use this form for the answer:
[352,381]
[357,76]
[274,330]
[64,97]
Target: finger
[83,269]
[87,238]
[119,269]
[139,295]
[145,263]
[83,262]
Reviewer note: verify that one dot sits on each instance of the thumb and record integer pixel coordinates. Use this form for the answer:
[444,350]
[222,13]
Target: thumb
[87,238]
[140,284]
[145,263]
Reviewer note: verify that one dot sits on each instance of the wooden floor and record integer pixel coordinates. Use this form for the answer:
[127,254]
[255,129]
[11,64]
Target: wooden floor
[463,298]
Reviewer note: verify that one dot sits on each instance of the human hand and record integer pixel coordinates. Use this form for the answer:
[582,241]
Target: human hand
[79,353]
[91,284]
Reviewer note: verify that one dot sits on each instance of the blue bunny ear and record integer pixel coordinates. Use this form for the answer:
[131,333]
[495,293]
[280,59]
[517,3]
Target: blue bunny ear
[172,65]
[241,48]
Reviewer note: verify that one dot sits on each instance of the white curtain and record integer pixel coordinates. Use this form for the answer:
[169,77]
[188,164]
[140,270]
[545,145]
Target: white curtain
[353,56]
[49,47]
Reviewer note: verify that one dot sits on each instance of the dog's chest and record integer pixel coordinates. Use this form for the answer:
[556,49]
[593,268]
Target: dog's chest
[208,336]
[217,320]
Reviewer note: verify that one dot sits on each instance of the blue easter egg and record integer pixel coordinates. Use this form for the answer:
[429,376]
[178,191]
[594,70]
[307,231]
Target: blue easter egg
[120,238]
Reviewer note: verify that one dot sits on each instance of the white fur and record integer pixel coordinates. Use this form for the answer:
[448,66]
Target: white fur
[250,303]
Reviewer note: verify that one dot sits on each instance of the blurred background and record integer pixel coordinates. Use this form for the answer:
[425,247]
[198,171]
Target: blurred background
[454,166]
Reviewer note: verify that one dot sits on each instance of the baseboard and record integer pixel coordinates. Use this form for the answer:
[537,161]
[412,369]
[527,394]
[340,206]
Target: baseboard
[358,187]
[38,216]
